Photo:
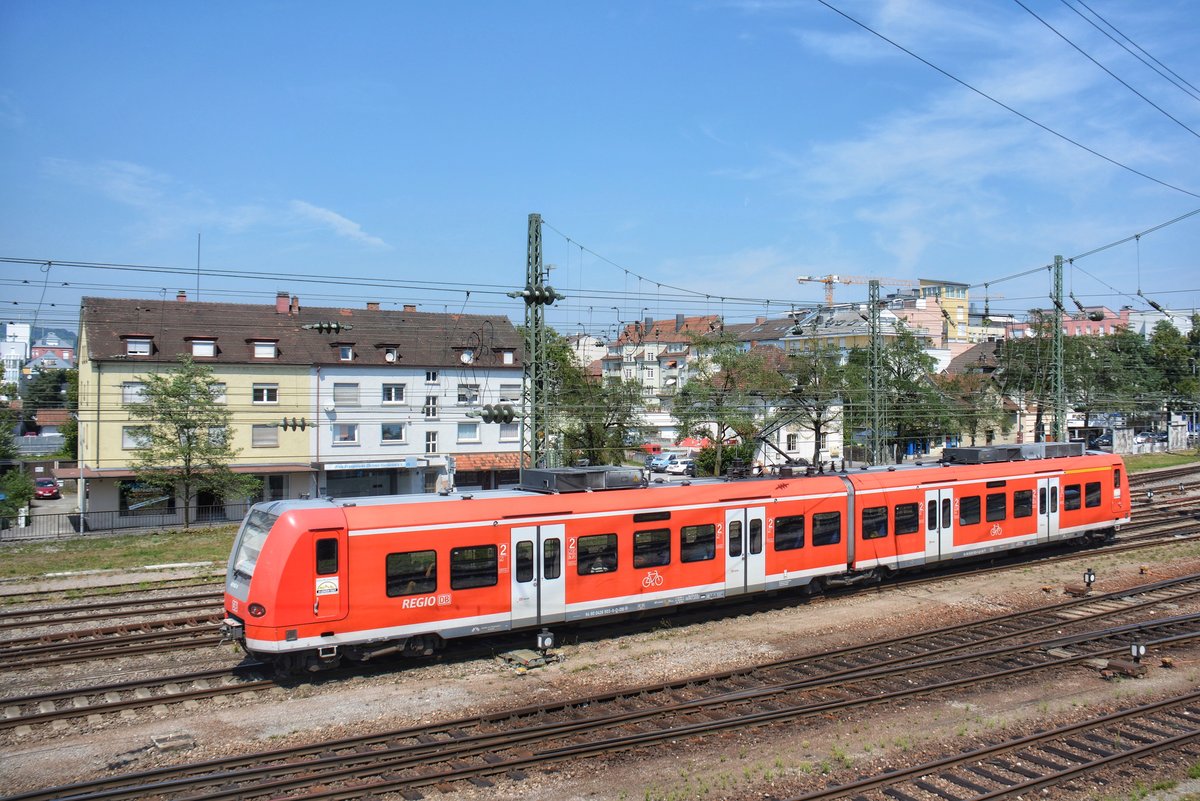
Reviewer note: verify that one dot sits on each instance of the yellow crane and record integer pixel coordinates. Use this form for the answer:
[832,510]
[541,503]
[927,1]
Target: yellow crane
[830,280]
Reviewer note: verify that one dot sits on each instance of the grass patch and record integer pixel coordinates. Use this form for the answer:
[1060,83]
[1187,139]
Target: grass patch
[1136,463]
[117,552]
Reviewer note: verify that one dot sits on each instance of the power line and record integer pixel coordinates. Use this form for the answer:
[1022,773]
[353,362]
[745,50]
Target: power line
[1005,106]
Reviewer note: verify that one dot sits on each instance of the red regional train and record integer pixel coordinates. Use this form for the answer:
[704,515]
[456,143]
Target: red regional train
[312,582]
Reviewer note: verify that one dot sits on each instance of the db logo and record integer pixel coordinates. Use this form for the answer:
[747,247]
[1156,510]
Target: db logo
[443,600]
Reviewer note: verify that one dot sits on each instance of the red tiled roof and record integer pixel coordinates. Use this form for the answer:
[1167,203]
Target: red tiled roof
[52,417]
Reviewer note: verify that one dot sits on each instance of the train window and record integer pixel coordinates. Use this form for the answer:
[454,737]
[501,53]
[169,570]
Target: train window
[1023,503]
[327,561]
[650,517]
[827,528]
[996,484]
[1117,481]
[1053,499]
[597,554]
[1091,493]
[524,571]
[997,507]
[1042,501]
[789,533]
[735,538]
[874,523]
[412,573]
[931,516]
[908,518]
[552,558]
[756,536]
[699,543]
[652,548]
[473,566]
[968,511]
[947,521]
[1071,497]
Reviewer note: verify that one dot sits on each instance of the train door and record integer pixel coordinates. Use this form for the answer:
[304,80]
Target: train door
[538,586]
[330,587]
[939,524]
[745,557]
[1047,509]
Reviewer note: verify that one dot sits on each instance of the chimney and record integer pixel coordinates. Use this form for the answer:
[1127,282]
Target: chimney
[678,322]
[410,307]
[181,296]
[295,307]
[759,320]
[372,305]
[281,302]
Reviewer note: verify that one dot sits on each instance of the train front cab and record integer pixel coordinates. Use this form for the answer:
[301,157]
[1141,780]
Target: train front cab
[286,585]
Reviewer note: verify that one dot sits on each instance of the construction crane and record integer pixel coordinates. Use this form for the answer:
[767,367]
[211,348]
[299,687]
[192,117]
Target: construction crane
[830,280]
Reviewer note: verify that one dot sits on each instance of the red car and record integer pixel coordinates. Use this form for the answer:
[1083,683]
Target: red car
[46,489]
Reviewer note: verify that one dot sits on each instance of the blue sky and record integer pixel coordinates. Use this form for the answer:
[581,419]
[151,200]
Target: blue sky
[719,147]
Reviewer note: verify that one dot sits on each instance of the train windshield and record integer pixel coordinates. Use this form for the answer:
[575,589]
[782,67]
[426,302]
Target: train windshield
[250,541]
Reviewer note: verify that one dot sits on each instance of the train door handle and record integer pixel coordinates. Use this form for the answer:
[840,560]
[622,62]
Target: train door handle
[316,603]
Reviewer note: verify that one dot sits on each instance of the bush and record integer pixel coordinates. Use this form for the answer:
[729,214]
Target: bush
[17,488]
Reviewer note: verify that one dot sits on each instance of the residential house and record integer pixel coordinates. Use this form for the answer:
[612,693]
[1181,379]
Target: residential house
[324,401]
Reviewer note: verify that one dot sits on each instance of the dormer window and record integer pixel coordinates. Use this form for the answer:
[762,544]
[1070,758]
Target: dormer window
[264,349]
[507,357]
[345,353]
[204,347]
[391,354]
[138,346]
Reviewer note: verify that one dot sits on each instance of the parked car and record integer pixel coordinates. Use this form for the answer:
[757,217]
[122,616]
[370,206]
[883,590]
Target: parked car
[1162,436]
[46,489]
[1101,441]
[682,467]
[660,463]
[1143,437]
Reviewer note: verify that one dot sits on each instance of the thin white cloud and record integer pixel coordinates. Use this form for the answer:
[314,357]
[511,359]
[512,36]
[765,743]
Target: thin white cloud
[337,223]
[11,115]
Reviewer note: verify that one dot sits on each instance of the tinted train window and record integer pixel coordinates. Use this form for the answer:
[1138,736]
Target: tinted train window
[968,511]
[997,506]
[1091,494]
[597,554]
[789,533]
[652,548]
[1023,503]
[827,528]
[327,561]
[908,518]
[551,558]
[699,543]
[1117,480]
[874,523]
[413,573]
[524,566]
[735,538]
[755,536]
[931,518]
[1071,497]
[474,566]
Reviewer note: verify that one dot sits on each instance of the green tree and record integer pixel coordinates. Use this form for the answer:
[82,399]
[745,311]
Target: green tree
[596,417]
[17,487]
[70,429]
[817,384]
[1173,358]
[46,390]
[185,434]
[976,406]
[729,392]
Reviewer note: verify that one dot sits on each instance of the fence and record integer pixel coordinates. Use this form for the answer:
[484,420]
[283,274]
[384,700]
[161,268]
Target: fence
[58,526]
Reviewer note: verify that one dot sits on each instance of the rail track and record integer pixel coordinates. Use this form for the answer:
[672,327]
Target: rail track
[1039,761]
[999,648]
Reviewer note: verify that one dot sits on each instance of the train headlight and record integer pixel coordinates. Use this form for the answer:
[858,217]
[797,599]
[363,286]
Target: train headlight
[256,610]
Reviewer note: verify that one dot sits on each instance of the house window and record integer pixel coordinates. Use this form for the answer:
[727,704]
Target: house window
[264,350]
[507,357]
[264,436]
[391,354]
[509,432]
[468,394]
[345,395]
[345,434]
[393,393]
[431,442]
[137,499]
[137,347]
[468,432]
[265,393]
[392,433]
[216,436]
[134,437]
[345,353]
[430,406]
[510,393]
[792,441]
[431,376]
[204,347]
[217,389]
[133,392]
